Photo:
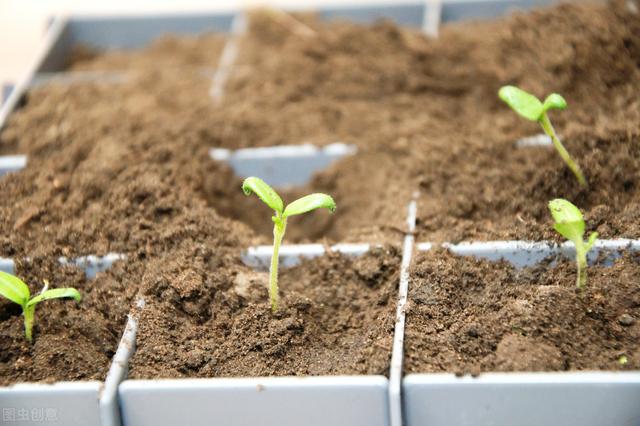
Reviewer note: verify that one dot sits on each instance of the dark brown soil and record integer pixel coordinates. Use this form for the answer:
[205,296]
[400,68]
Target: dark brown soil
[169,51]
[471,316]
[94,325]
[336,317]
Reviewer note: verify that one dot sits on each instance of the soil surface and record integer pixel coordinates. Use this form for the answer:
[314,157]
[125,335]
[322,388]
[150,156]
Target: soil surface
[471,316]
[336,316]
[94,325]
[166,52]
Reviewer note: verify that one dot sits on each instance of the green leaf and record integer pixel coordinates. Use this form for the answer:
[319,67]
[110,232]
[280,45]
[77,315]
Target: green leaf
[554,101]
[56,293]
[592,240]
[569,221]
[572,231]
[14,289]
[564,211]
[267,194]
[308,203]
[525,104]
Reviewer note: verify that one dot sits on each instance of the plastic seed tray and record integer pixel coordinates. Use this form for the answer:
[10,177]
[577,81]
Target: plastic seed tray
[588,399]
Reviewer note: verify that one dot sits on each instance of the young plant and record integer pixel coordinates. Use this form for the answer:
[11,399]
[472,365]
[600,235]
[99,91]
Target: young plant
[570,224]
[272,199]
[14,289]
[530,107]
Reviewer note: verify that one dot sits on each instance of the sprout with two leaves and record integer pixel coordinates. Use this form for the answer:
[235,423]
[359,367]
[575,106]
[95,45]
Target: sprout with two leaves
[14,289]
[570,224]
[531,108]
[270,197]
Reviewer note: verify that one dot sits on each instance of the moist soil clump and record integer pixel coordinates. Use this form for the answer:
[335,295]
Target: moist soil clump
[470,316]
[336,316]
[94,325]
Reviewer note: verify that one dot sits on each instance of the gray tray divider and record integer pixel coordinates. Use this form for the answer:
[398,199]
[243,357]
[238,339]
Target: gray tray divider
[259,257]
[529,253]
[5,90]
[462,10]
[12,163]
[432,17]
[109,403]
[285,165]
[525,399]
[69,78]
[228,57]
[404,13]
[281,166]
[91,264]
[397,353]
[54,33]
[135,30]
[59,403]
[539,140]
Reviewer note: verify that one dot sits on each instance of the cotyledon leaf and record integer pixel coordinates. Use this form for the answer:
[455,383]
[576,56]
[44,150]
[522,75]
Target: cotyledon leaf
[267,194]
[525,104]
[13,288]
[308,203]
[56,293]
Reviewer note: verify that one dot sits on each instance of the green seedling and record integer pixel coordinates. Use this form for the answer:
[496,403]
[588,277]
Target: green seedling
[531,108]
[570,224]
[14,289]
[254,185]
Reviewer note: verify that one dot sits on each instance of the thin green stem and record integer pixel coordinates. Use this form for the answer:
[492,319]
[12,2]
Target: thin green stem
[28,313]
[279,227]
[550,131]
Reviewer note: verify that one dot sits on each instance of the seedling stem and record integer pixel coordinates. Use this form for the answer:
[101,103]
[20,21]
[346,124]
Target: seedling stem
[570,224]
[564,154]
[279,228]
[254,185]
[531,108]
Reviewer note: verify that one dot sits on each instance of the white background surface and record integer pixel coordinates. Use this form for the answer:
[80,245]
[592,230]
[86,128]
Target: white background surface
[22,22]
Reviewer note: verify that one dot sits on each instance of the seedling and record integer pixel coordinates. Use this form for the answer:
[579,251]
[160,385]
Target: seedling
[530,107]
[570,224]
[302,205]
[14,289]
